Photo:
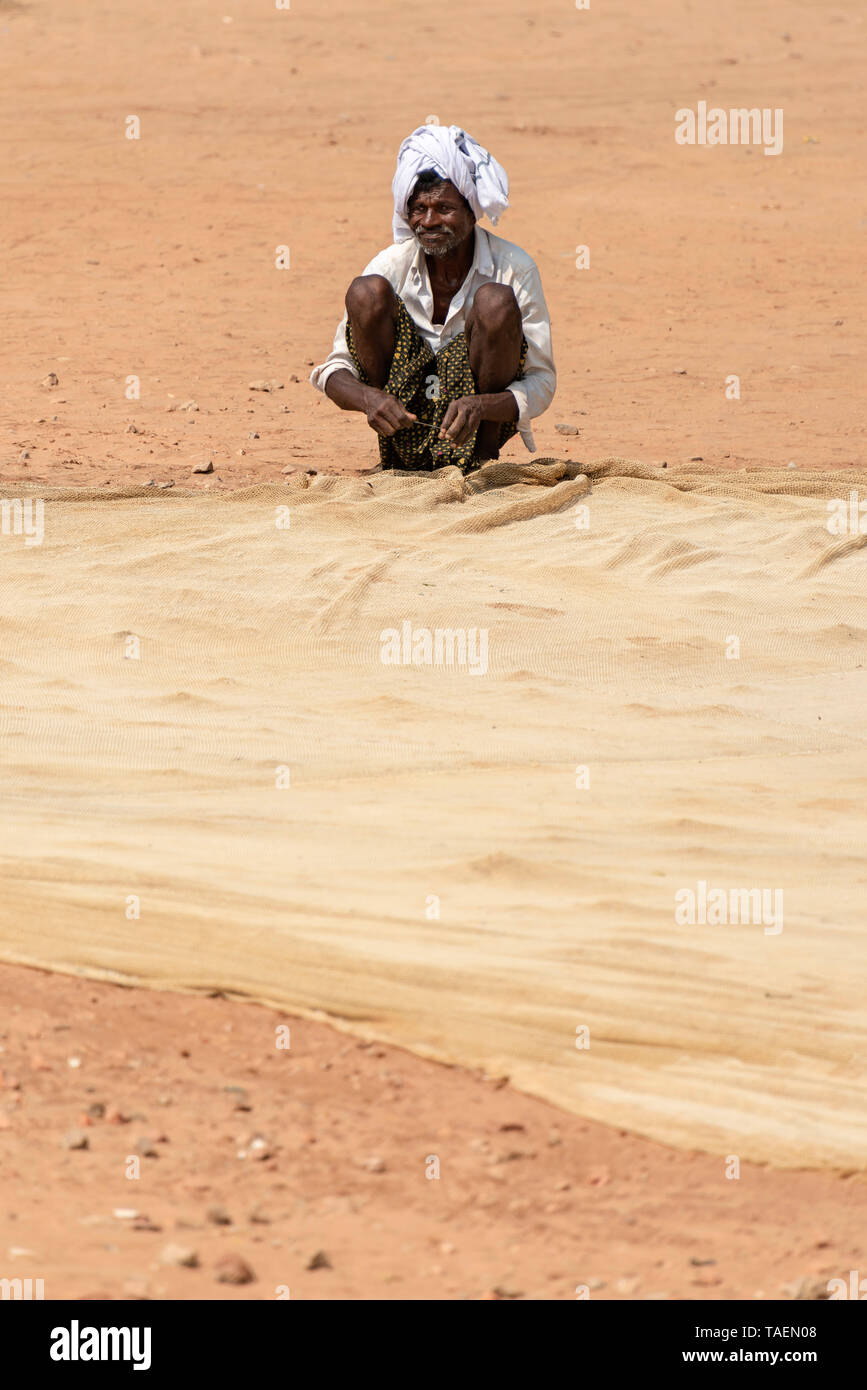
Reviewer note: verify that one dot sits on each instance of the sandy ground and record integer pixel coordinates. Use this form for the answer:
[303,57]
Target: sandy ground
[529,1203]
[153,259]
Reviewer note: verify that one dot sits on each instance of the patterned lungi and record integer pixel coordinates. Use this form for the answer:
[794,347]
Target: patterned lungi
[425,382]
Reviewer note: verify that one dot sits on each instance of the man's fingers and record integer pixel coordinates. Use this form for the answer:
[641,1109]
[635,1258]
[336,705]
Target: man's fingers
[451,411]
[459,429]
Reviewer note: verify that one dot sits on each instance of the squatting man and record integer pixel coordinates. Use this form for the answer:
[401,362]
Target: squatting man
[445,344]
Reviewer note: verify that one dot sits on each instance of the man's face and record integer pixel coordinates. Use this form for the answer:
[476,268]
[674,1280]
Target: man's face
[439,219]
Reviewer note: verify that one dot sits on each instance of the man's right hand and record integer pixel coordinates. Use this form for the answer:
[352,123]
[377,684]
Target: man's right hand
[385,413]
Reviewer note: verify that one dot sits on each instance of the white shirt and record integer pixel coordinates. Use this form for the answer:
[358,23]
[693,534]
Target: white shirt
[494,259]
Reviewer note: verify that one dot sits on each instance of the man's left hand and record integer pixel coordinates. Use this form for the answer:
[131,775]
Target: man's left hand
[461,419]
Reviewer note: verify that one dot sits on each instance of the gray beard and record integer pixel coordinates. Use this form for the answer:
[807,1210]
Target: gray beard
[442,248]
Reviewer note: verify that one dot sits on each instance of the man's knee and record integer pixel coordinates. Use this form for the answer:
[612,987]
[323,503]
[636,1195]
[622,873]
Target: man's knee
[496,309]
[370,297]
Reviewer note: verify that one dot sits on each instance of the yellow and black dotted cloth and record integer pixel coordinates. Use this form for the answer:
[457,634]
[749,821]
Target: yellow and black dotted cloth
[425,382]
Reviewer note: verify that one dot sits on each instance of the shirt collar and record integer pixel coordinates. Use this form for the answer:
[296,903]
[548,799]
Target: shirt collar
[482,262]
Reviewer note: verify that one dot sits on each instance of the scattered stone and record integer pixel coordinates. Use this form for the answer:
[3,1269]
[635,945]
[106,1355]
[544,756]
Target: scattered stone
[694,1260]
[218,1216]
[125,1213]
[206,467]
[567,429]
[75,1139]
[133,429]
[240,1097]
[181,1256]
[73,1062]
[600,1178]
[24,456]
[595,1283]
[374,1164]
[707,1280]
[679,371]
[293,377]
[697,458]
[114,1117]
[51,380]
[231,1269]
[554,1138]
[145,1147]
[165,485]
[254,434]
[319,1261]
[510,1128]
[96,1111]
[258,1217]
[627,1286]
[271,385]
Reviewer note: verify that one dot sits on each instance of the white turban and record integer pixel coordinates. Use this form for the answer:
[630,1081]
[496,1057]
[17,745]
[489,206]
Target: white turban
[457,157]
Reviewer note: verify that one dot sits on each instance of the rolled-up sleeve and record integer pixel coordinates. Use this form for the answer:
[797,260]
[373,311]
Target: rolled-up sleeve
[534,391]
[338,359]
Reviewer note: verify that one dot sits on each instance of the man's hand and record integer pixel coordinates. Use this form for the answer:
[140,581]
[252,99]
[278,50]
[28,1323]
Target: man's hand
[385,413]
[461,419]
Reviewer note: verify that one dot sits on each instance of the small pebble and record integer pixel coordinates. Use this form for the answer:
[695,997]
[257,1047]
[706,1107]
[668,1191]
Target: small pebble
[206,467]
[51,380]
[231,1269]
[75,1139]
[567,429]
[218,1216]
[374,1165]
[319,1261]
[181,1256]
